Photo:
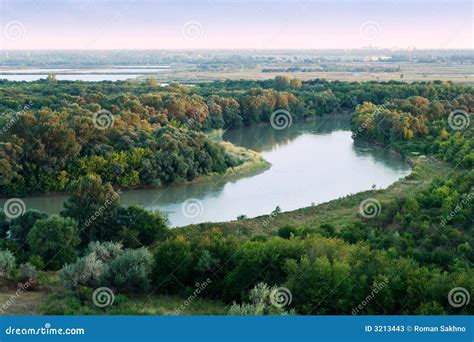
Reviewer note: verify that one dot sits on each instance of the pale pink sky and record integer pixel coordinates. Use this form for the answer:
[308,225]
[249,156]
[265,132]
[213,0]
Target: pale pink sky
[235,24]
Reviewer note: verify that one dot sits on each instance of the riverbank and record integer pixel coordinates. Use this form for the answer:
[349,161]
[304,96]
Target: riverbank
[340,211]
[251,163]
[52,298]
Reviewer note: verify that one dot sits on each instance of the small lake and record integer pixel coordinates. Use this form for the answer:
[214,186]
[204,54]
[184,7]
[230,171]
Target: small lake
[312,162]
[91,75]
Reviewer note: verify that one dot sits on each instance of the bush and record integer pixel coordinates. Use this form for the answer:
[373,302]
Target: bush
[287,232]
[106,264]
[261,297]
[36,261]
[176,257]
[28,276]
[87,271]
[105,251]
[7,265]
[55,240]
[130,272]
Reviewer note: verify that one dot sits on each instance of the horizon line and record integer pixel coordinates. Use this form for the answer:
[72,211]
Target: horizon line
[246,49]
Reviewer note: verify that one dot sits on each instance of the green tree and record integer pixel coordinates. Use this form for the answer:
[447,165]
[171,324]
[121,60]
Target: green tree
[54,239]
[94,206]
[21,226]
[4,225]
[140,227]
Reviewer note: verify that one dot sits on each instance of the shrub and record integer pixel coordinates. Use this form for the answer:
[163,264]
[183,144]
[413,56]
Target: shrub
[36,261]
[105,251]
[176,257]
[106,264]
[130,272]
[28,276]
[7,265]
[286,232]
[261,297]
[90,270]
[87,271]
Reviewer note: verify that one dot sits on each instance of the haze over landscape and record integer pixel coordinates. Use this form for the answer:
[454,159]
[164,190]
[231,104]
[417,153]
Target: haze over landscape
[235,24]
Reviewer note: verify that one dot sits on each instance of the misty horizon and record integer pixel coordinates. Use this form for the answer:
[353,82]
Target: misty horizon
[236,25]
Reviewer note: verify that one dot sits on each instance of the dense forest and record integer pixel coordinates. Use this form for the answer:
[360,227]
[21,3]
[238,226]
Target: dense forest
[140,134]
[418,248]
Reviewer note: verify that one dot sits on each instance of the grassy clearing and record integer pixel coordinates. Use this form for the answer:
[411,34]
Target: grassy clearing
[252,162]
[67,303]
[50,298]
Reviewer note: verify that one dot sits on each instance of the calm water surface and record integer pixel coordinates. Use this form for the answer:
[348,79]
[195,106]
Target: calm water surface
[312,162]
[91,75]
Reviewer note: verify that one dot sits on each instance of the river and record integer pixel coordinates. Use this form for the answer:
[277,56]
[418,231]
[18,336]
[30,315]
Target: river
[312,162]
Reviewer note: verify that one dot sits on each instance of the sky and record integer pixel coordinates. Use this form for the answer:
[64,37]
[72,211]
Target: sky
[236,24]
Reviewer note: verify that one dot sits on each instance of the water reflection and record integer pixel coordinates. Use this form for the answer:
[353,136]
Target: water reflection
[312,162]
[265,138]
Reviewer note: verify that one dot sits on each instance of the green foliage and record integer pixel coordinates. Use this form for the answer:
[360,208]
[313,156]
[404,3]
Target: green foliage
[106,264]
[330,293]
[261,303]
[54,239]
[129,273]
[7,265]
[141,227]
[94,206]
[36,261]
[4,225]
[27,275]
[287,232]
[417,249]
[21,226]
[90,270]
[420,125]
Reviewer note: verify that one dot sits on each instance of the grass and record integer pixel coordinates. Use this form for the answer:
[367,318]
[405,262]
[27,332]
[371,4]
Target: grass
[68,303]
[251,162]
